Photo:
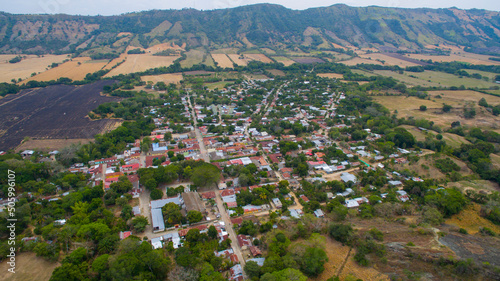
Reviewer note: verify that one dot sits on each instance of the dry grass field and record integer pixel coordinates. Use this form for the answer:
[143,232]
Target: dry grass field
[29,267]
[464,57]
[142,62]
[358,60]
[49,145]
[470,220]
[388,60]
[238,59]
[258,57]
[194,56]
[75,69]
[424,167]
[225,51]
[277,72]
[451,139]
[222,60]
[465,96]
[409,106]
[168,78]
[331,75]
[477,185]
[284,60]
[24,68]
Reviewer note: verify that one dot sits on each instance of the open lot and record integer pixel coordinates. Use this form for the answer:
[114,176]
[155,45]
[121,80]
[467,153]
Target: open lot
[451,139]
[222,60]
[168,78]
[75,69]
[55,112]
[142,62]
[358,60]
[24,69]
[29,267]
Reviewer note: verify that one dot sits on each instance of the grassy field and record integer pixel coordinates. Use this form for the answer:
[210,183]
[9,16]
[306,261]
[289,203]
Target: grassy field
[24,68]
[168,78]
[331,75]
[277,72]
[258,57]
[49,145]
[237,59]
[284,60]
[358,60]
[194,56]
[459,56]
[387,60]
[470,220]
[477,185]
[75,69]
[461,97]
[142,62]
[29,267]
[451,139]
[434,79]
[217,85]
[222,60]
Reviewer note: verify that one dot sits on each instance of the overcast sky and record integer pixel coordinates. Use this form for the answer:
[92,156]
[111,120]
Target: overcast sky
[115,7]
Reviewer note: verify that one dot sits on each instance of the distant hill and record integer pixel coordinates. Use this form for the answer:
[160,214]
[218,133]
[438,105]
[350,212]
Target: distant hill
[387,29]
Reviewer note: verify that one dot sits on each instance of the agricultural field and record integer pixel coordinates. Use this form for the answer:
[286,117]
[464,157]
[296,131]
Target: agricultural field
[24,68]
[462,56]
[331,75]
[238,59]
[54,112]
[142,62]
[409,106]
[225,51]
[194,56]
[217,85]
[222,60]
[464,96]
[277,72]
[358,60]
[307,60]
[29,267]
[284,60]
[76,69]
[168,78]
[388,60]
[258,57]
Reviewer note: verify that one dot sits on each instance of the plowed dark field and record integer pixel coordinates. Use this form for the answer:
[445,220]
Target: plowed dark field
[55,112]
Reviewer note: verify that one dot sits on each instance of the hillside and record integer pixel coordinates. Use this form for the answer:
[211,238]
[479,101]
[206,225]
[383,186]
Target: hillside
[386,29]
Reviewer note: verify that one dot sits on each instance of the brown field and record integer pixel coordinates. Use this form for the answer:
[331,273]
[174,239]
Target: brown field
[71,70]
[409,106]
[237,60]
[164,46]
[269,51]
[29,267]
[48,145]
[277,72]
[358,60]
[336,257]
[284,60]
[222,60]
[470,220]
[168,78]
[331,75]
[142,62]
[225,51]
[24,68]
[258,57]
[388,60]
[464,57]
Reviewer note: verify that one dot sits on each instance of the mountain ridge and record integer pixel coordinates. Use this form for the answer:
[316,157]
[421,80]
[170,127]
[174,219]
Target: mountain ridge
[263,25]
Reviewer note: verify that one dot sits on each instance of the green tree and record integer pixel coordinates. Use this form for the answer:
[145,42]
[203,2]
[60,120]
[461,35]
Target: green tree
[423,108]
[205,175]
[172,214]
[194,216]
[252,269]
[156,194]
[447,107]
[313,261]
[139,223]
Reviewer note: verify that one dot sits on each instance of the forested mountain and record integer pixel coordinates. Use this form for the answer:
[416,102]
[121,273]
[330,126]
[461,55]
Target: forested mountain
[387,29]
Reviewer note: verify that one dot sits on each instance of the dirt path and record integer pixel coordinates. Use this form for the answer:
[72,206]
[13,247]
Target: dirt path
[344,263]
